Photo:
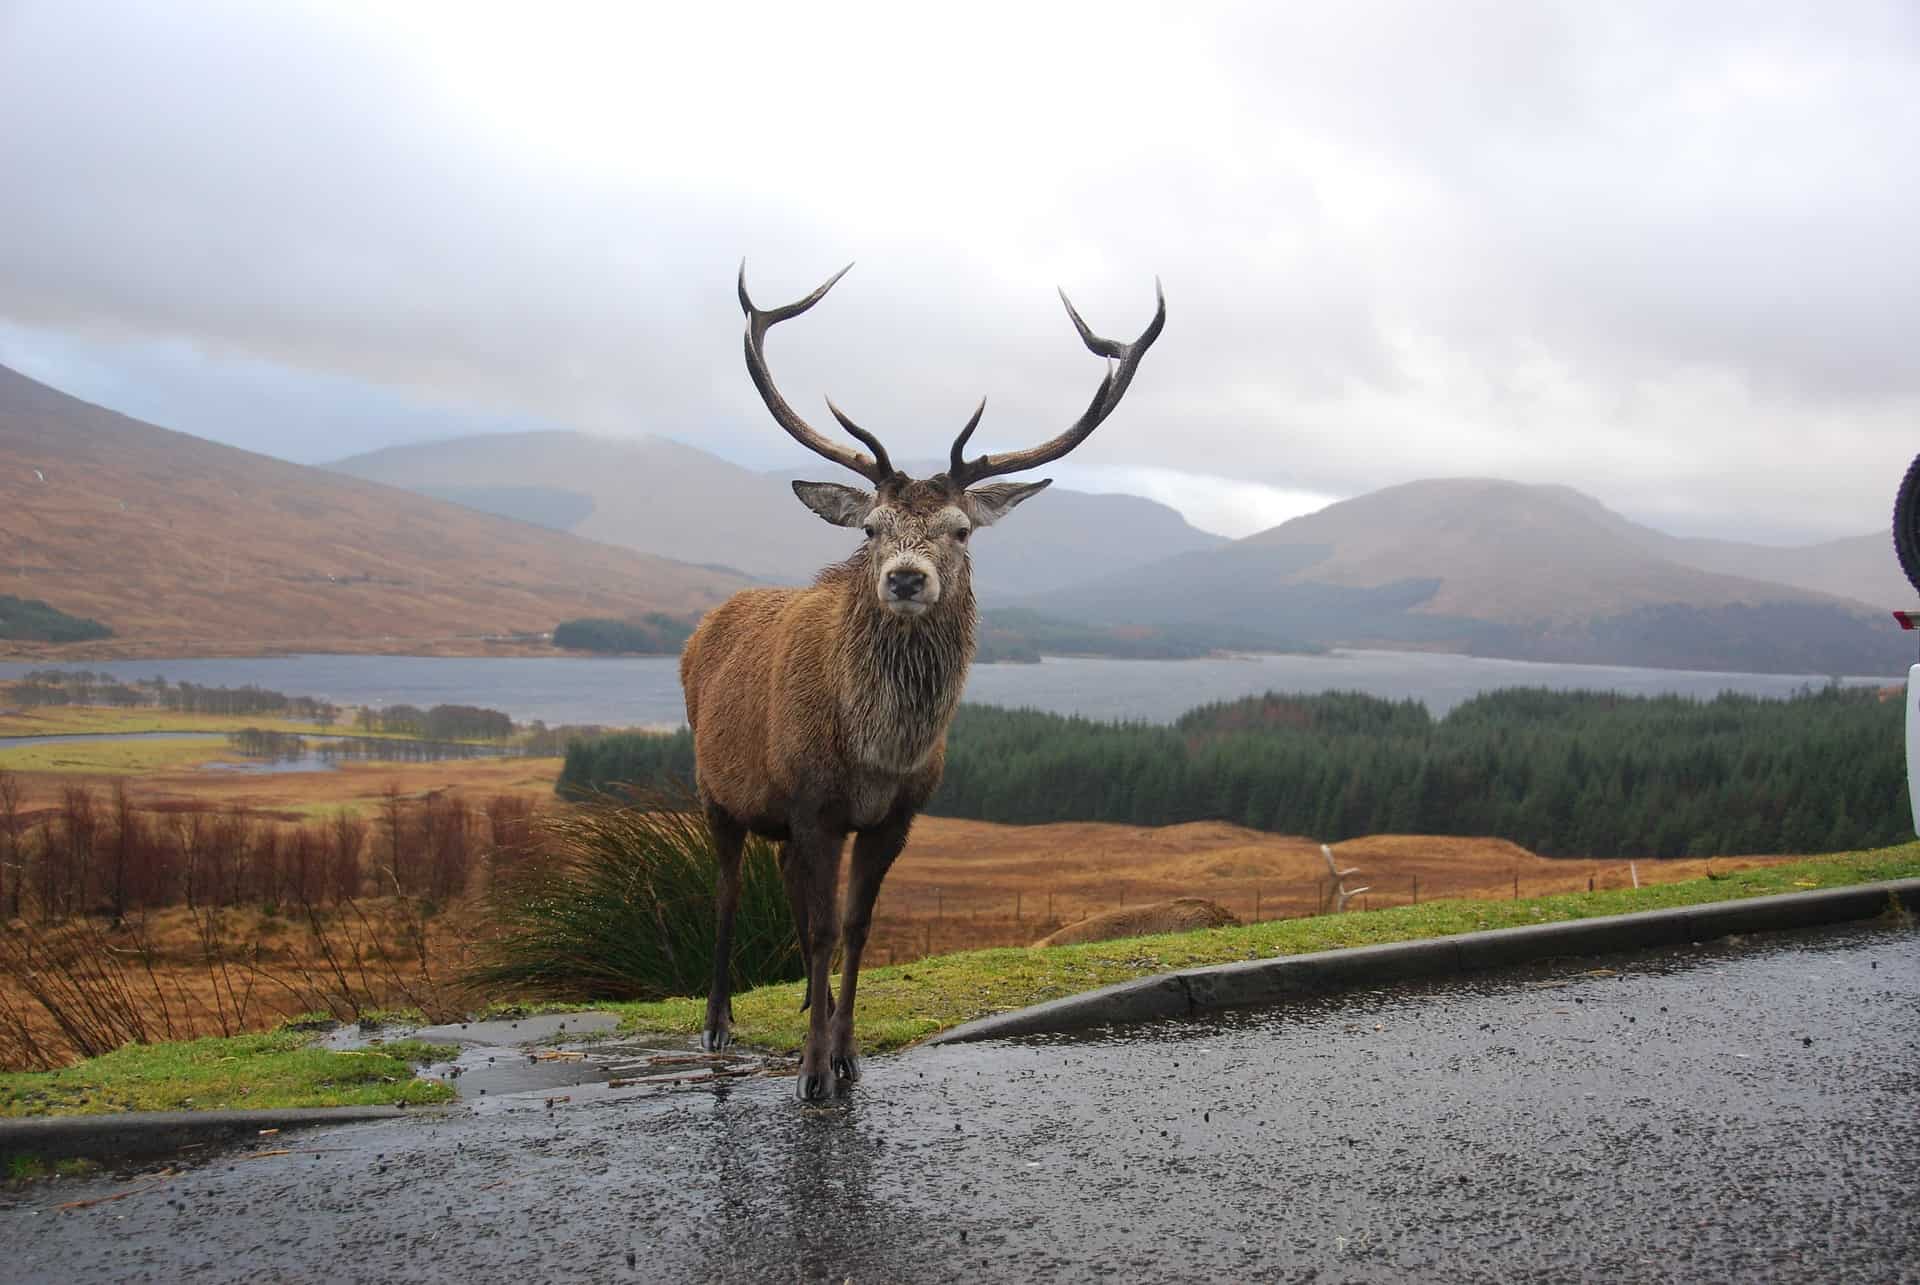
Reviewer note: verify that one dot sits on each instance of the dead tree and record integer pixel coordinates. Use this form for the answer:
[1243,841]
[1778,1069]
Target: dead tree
[1341,893]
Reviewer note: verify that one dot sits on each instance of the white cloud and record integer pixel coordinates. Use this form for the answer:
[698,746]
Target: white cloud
[1224,506]
[1661,253]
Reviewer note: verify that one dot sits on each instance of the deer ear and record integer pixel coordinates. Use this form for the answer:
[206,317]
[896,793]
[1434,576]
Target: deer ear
[986,505]
[840,505]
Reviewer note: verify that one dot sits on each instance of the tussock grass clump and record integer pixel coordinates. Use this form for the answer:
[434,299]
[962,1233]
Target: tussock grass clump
[620,906]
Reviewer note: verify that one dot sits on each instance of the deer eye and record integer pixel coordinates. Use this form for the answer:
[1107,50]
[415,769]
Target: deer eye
[960,536]
[869,530]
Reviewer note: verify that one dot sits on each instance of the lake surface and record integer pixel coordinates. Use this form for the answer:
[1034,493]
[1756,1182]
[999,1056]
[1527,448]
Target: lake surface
[638,691]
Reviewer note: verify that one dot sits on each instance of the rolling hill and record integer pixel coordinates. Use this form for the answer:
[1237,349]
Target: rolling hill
[183,545]
[666,498]
[1506,569]
[1860,567]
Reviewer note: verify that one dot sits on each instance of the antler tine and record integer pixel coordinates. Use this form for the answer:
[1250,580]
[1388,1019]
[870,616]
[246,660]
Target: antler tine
[957,464]
[865,438]
[876,469]
[1113,386]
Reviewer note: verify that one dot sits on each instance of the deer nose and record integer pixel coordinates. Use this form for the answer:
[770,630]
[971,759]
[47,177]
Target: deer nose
[906,584]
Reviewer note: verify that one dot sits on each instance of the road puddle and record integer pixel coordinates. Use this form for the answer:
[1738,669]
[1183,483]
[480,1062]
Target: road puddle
[537,1063]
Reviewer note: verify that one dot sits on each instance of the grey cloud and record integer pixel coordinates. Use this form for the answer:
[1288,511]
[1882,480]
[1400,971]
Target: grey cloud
[1378,224]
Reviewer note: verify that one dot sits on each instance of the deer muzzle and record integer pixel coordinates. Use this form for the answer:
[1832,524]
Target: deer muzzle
[908,586]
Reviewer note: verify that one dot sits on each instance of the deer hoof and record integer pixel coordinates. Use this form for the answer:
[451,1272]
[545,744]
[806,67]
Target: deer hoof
[715,1038]
[813,1087]
[846,1067]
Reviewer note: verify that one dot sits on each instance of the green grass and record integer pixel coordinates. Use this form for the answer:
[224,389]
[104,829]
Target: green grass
[626,911]
[93,720]
[111,757]
[24,1168]
[906,1002]
[278,1069]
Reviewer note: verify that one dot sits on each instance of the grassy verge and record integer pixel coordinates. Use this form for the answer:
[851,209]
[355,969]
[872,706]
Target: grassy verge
[278,1069]
[25,1169]
[898,1004]
[907,1002]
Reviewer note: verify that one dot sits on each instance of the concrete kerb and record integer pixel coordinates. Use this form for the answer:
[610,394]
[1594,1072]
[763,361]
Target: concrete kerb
[145,1135]
[1267,981]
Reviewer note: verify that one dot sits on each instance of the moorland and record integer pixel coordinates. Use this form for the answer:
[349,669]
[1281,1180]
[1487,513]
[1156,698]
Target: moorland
[228,893]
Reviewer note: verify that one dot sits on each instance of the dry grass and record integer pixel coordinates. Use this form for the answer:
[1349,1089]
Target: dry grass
[961,885]
[356,786]
[180,974]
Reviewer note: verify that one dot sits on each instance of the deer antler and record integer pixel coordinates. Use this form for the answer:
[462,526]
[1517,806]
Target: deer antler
[876,469]
[964,472]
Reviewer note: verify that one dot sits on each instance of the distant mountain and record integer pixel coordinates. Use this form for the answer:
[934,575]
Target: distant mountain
[1061,538]
[1861,567]
[180,544]
[1504,569]
[666,498]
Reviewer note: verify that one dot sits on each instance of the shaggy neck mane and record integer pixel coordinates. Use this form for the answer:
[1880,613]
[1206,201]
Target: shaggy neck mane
[900,679]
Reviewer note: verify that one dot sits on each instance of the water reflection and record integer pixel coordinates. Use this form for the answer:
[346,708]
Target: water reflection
[271,751]
[815,1191]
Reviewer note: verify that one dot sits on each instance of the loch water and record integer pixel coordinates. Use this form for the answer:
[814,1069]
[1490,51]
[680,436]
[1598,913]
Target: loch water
[639,691]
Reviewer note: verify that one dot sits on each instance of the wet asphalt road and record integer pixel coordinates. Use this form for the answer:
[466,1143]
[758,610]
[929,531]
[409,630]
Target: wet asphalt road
[1740,1111]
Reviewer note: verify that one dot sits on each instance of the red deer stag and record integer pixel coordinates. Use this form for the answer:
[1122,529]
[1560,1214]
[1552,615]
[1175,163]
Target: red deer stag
[822,711]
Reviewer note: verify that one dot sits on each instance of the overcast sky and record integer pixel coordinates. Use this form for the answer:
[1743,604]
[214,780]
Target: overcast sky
[1666,253]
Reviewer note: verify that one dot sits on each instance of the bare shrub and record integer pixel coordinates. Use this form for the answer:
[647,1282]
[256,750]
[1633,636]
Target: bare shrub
[346,836]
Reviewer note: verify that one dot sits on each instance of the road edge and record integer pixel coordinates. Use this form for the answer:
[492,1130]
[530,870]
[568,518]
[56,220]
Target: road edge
[1251,983]
[145,1135]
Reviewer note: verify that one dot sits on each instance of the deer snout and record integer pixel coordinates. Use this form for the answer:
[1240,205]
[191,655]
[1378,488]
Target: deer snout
[905,584]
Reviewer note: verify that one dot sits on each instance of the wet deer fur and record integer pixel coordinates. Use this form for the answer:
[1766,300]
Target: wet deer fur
[822,711]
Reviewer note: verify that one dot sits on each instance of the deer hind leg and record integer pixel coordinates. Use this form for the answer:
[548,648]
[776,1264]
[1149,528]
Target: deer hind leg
[811,870]
[802,928]
[729,839]
[873,855]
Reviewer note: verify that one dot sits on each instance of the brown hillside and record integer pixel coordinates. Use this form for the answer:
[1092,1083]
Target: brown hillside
[1514,552]
[180,544]
[660,496]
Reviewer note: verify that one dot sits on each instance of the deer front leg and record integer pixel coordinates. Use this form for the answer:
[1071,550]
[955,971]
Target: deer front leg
[812,876]
[873,855]
[803,932]
[729,838]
